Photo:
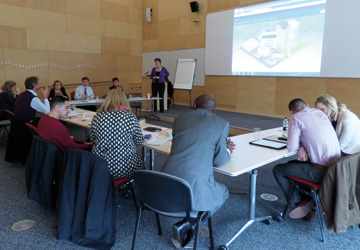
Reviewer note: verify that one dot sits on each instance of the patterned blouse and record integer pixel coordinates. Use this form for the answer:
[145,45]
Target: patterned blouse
[115,136]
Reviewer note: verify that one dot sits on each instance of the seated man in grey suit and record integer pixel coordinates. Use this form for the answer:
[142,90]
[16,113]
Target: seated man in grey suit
[199,144]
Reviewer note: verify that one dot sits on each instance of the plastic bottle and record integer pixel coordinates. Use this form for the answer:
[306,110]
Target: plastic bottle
[285,126]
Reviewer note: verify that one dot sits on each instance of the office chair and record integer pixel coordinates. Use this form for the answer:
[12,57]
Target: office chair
[125,186]
[43,171]
[87,211]
[310,189]
[32,129]
[167,195]
[72,95]
[4,129]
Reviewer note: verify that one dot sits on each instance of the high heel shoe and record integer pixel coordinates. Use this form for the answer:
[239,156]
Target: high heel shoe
[180,230]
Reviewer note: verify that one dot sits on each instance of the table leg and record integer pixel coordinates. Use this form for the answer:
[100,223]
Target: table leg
[152,159]
[144,151]
[252,218]
[153,111]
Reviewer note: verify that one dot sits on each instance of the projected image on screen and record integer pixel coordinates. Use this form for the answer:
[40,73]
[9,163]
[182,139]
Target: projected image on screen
[283,38]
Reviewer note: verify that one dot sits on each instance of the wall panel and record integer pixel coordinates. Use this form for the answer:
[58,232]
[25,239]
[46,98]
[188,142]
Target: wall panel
[11,37]
[2,67]
[13,2]
[89,8]
[52,5]
[256,95]
[67,67]
[46,40]
[115,12]
[307,89]
[33,18]
[34,59]
[103,67]
[69,38]
[345,91]
[115,46]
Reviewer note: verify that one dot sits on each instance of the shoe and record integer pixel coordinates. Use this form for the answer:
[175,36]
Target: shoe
[302,209]
[190,244]
[180,230]
[310,216]
[175,242]
[204,232]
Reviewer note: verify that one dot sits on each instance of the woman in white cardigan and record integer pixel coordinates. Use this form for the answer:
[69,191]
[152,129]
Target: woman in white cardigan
[345,122]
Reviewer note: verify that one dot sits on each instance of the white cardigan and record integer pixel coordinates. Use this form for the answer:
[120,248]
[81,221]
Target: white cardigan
[348,132]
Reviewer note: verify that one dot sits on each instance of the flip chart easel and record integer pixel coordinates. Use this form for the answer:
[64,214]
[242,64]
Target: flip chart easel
[185,74]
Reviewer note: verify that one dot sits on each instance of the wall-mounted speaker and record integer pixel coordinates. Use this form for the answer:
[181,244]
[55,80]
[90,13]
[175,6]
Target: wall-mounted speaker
[148,14]
[194,6]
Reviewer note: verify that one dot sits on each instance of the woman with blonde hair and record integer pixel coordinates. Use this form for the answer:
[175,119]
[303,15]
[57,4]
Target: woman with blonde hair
[345,122]
[115,133]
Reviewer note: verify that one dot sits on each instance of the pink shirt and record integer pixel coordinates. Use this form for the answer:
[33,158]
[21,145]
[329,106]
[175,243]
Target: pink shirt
[312,129]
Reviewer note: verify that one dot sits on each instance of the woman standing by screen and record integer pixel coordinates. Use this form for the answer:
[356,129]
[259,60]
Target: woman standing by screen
[158,74]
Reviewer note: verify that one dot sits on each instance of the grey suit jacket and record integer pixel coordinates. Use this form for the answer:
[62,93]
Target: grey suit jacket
[199,144]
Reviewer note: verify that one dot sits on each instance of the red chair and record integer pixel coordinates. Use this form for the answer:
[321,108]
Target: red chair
[72,95]
[9,113]
[32,129]
[125,186]
[310,189]
[4,125]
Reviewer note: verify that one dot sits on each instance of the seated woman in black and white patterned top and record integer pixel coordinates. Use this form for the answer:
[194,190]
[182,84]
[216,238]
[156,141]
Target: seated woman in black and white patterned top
[115,133]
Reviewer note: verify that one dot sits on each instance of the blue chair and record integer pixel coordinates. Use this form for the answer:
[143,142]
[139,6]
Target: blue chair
[170,196]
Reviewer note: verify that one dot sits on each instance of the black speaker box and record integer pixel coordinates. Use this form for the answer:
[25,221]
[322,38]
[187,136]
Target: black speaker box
[194,6]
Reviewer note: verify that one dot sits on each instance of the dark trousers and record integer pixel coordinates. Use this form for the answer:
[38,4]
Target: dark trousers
[301,170]
[155,88]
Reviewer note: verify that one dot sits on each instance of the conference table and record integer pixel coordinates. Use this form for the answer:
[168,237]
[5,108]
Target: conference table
[246,158]
[76,103]
[83,118]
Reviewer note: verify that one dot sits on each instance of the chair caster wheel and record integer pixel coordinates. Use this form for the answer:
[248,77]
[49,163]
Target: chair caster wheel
[267,221]
[277,218]
[223,247]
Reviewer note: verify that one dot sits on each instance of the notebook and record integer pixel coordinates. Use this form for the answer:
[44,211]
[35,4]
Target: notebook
[269,144]
[158,140]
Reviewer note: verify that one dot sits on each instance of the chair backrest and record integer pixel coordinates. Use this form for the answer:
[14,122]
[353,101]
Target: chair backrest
[87,210]
[72,95]
[43,172]
[170,89]
[32,129]
[163,192]
[9,113]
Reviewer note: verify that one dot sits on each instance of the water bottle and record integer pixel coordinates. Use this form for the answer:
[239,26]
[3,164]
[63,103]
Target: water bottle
[285,126]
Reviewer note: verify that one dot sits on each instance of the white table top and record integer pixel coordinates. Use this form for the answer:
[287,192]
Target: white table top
[245,157]
[85,117]
[75,103]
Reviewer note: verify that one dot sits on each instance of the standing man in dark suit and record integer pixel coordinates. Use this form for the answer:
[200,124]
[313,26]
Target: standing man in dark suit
[199,144]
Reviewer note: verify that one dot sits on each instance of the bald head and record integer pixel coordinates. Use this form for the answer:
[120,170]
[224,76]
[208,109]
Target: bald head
[206,101]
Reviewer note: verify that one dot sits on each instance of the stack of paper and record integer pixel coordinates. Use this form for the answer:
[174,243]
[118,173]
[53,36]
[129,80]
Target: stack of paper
[158,140]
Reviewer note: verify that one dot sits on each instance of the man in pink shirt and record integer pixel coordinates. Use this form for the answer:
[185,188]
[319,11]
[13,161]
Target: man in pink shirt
[312,135]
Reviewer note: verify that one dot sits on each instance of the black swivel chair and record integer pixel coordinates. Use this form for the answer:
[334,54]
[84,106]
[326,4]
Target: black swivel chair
[167,195]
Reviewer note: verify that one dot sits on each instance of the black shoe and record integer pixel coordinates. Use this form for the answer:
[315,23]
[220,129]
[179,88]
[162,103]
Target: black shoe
[180,230]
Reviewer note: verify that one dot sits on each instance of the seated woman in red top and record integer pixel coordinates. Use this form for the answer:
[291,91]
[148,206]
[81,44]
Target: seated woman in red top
[52,130]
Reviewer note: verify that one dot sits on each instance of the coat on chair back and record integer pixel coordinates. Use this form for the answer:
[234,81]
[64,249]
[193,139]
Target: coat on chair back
[87,211]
